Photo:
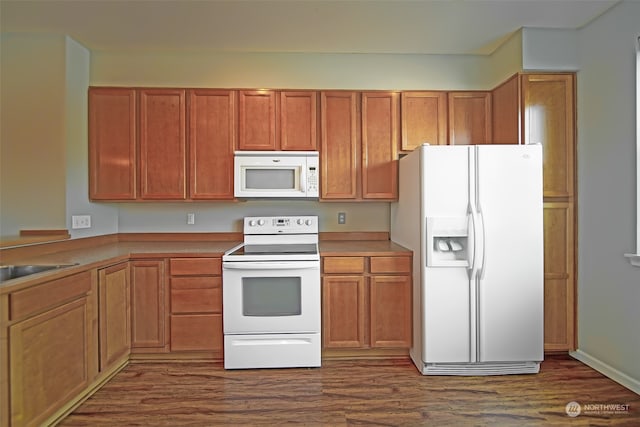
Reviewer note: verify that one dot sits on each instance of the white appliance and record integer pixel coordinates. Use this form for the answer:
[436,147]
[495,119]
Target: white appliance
[473,217]
[271,295]
[276,174]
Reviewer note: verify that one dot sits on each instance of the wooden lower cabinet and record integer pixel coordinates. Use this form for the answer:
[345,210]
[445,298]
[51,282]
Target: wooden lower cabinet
[196,305]
[366,310]
[390,311]
[149,307]
[196,332]
[114,301]
[52,349]
[343,301]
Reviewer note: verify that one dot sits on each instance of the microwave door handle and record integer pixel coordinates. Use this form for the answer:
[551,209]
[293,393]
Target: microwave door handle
[303,179]
[275,265]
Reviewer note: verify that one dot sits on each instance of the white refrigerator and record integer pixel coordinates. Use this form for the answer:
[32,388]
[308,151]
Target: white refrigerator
[473,217]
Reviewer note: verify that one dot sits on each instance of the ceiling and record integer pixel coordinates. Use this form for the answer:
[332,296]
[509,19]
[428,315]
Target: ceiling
[343,26]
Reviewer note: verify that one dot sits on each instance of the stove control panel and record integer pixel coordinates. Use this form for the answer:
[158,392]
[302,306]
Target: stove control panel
[307,224]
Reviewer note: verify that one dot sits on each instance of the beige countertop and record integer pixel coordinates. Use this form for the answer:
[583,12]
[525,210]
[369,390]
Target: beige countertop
[111,253]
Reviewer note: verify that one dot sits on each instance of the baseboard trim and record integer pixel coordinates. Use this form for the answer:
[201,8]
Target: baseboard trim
[607,370]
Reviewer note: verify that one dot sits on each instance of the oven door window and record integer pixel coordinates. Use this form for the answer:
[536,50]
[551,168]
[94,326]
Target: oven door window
[271,178]
[271,296]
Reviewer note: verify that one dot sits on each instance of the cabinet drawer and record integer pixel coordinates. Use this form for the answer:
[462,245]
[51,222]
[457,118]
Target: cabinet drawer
[196,295]
[195,266]
[196,332]
[343,264]
[50,294]
[390,264]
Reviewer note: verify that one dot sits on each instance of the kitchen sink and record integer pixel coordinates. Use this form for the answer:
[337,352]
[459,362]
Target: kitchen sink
[8,272]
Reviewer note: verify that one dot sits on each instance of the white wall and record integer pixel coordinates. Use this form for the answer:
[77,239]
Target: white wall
[32,139]
[44,170]
[104,217]
[608,286]
[288,70]
[549,49]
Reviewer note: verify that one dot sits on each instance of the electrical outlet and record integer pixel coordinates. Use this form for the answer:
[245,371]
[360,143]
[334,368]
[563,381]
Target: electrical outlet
[342,218]
[191,219]
[80,221]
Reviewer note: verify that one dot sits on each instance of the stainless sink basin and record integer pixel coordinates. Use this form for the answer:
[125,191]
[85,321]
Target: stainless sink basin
[8,272]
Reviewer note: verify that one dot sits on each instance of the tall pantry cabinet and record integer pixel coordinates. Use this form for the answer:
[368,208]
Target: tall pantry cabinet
[548,117]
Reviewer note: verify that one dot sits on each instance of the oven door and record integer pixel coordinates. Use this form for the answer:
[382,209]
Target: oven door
[271,297]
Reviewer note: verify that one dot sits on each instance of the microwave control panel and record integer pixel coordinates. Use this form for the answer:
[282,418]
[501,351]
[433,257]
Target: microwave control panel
[312,178]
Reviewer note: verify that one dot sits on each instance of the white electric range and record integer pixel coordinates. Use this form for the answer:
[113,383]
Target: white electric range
[271,295]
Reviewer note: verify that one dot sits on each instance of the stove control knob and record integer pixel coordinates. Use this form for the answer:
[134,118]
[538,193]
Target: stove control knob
[308,222]
[252,222]
[300,221]
[261,222]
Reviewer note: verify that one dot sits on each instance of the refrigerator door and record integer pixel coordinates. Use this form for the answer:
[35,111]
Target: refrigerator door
[510,281]
[445,323]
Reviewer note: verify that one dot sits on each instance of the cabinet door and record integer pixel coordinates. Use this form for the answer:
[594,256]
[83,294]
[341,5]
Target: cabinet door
[162,144]
[343,311]
[257,110]
[114,315]
[298,121]
[196,332]
[390,311]
[424,119]
[549,119]
[149,306]
[380,134]
[469,118]
[112,144]
[339,152]
[506,112]
[559,282]
[212,141]
[49,361]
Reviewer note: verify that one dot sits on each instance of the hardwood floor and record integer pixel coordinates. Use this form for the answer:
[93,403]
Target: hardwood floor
[385,393]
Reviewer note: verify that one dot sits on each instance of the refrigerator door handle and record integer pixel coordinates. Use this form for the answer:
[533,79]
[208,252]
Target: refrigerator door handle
[473,243]
[483,254]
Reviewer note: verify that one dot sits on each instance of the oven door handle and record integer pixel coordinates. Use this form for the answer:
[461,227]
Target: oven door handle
[270,265]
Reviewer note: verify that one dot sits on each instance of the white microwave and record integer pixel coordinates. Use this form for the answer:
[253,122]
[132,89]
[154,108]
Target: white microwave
[276,174]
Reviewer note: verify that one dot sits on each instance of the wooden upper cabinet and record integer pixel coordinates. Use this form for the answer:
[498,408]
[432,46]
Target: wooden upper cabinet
[112,144]
[298,121]
[339,147]
[506,112]
[380,133]
[212,141]
[469,118]
[162,144]
[257,127]
[424,119]
[548,116]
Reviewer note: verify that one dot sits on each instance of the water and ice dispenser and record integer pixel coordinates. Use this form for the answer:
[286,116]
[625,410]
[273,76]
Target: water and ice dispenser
[448,242]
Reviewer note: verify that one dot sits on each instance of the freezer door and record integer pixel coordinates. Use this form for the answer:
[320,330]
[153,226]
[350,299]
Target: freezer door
[445,324]
[510,283]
